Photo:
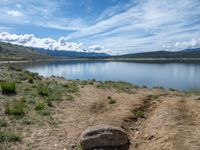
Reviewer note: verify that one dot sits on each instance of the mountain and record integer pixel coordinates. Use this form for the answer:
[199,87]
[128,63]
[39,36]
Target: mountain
[188,53]
[15,52]
[192,50]
[70,54]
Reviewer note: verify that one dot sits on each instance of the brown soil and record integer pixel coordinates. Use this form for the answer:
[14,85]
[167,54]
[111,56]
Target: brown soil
[171,120]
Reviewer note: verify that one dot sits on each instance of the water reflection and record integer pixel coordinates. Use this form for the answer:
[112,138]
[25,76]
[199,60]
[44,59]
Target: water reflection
[175,75]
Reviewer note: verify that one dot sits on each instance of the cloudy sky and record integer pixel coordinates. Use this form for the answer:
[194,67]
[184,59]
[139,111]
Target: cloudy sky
[120,26]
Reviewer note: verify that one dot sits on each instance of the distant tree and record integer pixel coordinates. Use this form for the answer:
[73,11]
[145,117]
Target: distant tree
[1,49]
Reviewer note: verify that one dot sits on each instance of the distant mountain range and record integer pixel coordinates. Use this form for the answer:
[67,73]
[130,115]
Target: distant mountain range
[15,52]
[188,53]
[70,54]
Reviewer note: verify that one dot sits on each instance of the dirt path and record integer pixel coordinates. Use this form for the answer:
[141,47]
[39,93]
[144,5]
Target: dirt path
[173,125]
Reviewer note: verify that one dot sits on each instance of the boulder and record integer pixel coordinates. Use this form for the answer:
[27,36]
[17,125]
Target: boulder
[104,137]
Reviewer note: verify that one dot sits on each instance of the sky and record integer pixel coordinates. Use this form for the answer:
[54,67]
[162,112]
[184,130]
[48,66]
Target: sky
[111,26]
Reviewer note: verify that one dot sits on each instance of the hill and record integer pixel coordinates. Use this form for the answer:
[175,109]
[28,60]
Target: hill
[189,53]
[15,52]
[10,52]
[70,54]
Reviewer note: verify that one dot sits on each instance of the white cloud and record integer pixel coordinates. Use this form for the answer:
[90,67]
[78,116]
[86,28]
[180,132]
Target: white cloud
[31,40]
[14,13]
[43,13]
[146,26]
[141,25]
[96,47]
[193,43]
[18,6]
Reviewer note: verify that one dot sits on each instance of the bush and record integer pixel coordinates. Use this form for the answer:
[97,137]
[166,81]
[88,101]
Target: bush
[43,91]
[30,79]
[144,86]
[8,88]
[71,87]
[140,114]
[109,97]
[3,123]
[39,105]
[16,108]
[45,112]
[110,100]
[9,137]
[171,89]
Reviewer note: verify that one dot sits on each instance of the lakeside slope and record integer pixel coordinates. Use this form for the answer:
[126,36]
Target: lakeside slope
[11,52]
[51,113]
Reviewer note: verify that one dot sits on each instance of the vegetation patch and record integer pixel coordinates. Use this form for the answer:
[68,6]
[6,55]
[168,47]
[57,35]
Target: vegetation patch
[111,100]
[43,91]
[193,91]
[171,89]
[159,87]
[45,112]
[140,114]
[3,123]
[71,87]
[120,86]
[8,88]
[152,97]
[6,136]
[28,121]
[39,105]
[15,108]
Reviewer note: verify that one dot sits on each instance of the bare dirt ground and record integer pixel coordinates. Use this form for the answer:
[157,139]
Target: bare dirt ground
[171,120]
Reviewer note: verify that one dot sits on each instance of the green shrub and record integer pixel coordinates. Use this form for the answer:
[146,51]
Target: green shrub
[71,87]
[28,121]
[8,88]
[109,97]
[43,91]
[45,112]
[171,89]
[140,114]
[144,86]
[30,79]
[9,137]
[39,105]
[152,97]
[15,108]
[110,100]
[3,123]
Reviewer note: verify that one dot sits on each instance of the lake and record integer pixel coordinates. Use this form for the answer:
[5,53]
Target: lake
[182,76]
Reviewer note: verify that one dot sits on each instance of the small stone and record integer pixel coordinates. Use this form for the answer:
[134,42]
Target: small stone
[104,137]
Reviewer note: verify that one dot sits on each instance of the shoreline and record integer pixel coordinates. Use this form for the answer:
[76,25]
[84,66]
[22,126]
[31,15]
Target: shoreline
[108,59]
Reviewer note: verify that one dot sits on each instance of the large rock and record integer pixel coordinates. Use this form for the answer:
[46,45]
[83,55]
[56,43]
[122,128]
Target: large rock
[104,137]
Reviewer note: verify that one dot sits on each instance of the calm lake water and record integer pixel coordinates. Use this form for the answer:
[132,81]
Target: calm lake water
[183,76]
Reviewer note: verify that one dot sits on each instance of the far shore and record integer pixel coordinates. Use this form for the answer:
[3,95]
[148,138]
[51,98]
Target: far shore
[106,59]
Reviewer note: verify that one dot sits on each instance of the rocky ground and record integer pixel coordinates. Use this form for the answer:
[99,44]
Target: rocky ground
[51,113]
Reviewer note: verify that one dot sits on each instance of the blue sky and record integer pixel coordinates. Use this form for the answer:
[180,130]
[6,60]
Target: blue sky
[120,26]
